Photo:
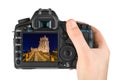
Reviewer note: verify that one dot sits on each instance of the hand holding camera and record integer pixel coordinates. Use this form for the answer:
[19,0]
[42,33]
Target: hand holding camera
[45,41]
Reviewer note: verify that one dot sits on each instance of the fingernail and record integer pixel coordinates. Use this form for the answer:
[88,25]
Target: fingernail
[72,24]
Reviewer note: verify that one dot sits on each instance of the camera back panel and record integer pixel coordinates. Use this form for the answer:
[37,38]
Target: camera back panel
[42,42]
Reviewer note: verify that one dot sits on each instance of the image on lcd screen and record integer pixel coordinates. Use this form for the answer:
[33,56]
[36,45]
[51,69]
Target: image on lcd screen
[40,47]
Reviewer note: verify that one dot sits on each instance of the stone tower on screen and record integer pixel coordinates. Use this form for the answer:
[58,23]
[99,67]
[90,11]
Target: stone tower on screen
[41,53]
[44,45]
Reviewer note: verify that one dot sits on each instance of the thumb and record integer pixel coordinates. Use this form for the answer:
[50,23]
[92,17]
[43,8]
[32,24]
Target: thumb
[76,36]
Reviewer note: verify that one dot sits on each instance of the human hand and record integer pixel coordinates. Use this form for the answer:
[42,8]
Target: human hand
[92,63]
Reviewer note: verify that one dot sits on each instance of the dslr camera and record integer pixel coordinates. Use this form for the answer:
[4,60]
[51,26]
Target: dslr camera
[42,42]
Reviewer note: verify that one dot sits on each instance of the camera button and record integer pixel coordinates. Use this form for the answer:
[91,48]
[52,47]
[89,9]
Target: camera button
[18,41]
[17,54]
[23,20]
[18,38]
[17,61]
[67,53]
[64,36]
[18,34]
[18,51]
[88,27]
[17,44]
[18,30]
[83,26]
[17,48]
[67,64]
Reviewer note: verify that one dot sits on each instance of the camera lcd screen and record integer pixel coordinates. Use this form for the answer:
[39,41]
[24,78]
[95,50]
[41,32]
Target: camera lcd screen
[40,47]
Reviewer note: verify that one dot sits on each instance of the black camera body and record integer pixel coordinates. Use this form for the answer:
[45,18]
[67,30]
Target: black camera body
[42,42]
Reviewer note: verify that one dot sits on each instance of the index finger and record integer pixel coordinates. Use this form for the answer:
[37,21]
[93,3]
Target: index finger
[99,39]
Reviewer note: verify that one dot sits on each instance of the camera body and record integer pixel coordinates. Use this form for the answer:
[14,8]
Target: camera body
[42,42]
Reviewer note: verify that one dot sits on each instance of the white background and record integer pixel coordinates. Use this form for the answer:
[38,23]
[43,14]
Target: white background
[103,14]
